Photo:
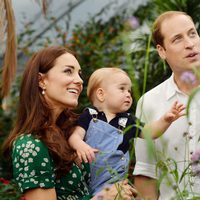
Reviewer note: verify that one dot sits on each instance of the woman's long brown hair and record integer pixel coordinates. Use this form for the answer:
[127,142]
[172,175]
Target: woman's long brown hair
[34,115]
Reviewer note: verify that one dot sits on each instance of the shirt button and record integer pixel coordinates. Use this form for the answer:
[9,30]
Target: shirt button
[190,137]
[123,167]
[122,158]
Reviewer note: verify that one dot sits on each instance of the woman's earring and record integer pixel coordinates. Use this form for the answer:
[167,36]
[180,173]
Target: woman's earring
[43,91]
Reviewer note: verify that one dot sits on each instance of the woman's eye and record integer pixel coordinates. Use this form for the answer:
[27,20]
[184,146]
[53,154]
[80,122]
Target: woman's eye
[68,71]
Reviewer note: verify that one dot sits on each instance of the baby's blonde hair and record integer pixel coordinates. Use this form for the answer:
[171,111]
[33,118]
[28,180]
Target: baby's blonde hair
[98,77]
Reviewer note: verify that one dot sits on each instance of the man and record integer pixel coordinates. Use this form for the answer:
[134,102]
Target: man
[178,43]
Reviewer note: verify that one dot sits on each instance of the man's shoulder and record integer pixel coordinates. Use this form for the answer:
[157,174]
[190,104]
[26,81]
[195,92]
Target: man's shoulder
[157,90]
[150,104]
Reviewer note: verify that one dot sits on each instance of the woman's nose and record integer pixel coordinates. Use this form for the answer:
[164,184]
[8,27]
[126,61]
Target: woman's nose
[78,79]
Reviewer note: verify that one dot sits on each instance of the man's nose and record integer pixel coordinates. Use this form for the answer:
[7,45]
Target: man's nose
[189,43]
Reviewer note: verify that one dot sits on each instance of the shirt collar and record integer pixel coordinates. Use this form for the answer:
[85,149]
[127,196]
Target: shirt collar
[172,88]
[124,114]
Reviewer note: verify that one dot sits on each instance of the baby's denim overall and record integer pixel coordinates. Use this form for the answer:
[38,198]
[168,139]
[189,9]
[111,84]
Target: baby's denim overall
[110,164]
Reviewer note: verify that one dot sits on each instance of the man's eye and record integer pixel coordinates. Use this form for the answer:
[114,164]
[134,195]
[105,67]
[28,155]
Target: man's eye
[176,39]
[193,33]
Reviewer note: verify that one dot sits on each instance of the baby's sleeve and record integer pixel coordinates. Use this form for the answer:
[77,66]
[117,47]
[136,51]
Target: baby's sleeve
[84,119]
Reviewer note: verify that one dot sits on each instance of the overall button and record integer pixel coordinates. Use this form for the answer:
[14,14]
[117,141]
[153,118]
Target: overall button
[120,131]
[122,158]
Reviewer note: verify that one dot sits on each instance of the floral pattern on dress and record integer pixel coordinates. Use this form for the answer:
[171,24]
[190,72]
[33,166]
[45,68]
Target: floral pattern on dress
[34,168]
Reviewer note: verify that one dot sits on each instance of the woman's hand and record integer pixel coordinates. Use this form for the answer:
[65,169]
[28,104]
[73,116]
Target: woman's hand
[120,190]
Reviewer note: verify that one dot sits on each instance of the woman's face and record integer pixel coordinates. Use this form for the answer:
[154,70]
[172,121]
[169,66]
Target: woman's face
[62,83]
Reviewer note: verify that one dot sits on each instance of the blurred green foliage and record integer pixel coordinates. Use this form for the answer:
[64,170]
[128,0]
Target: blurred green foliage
[97,45]
[9,188]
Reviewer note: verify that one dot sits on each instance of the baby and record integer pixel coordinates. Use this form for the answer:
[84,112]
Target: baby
[100,129]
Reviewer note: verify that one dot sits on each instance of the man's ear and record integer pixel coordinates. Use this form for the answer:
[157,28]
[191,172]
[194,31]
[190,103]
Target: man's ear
[161,51]
[100,94]
[41,80]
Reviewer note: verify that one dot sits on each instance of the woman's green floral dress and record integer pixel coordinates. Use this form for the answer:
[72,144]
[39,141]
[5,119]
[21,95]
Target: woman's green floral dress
[34,168]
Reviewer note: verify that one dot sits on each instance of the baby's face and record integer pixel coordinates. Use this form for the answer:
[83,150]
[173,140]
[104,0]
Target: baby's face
[117,92]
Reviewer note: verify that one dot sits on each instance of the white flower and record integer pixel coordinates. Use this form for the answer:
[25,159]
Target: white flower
[70,182]
[42,185]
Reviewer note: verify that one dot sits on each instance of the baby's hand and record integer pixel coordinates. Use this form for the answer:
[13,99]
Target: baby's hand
[175,112]
[86,153]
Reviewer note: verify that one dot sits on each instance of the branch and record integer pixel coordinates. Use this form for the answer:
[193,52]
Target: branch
[38,36]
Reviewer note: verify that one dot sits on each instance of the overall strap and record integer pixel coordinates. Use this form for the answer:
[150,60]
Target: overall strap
[122,123]
[93,113]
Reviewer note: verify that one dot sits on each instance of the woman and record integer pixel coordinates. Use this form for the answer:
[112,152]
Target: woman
[43,163]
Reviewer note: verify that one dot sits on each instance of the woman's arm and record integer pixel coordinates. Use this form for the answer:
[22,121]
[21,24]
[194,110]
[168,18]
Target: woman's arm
[40,194]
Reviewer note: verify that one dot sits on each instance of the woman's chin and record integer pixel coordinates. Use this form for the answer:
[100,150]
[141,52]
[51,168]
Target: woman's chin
[73,105]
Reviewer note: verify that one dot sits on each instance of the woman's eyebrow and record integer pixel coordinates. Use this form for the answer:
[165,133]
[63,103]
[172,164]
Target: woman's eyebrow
[70,66]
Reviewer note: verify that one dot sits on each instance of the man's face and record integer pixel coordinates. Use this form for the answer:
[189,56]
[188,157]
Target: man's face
[181,45]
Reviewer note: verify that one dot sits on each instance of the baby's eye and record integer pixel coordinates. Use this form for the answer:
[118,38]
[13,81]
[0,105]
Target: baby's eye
[122,88]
